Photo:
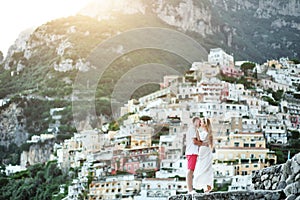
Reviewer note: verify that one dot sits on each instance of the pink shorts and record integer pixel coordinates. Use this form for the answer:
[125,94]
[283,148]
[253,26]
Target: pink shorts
[191,159]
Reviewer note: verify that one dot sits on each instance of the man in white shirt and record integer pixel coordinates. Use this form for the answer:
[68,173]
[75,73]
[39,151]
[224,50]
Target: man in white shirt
[191,152]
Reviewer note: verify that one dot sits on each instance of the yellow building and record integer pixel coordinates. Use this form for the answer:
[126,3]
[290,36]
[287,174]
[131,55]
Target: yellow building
[274,63]
[142,137]
[247,152]
[118,187]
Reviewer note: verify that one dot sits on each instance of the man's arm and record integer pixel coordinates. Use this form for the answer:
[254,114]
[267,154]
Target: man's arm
[197,142]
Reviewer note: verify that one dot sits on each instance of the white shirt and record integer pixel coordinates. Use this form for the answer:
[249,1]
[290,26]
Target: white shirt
[191,148]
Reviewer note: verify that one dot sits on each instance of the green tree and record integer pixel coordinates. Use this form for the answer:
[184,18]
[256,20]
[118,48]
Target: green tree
[114,126]
[1,56]
[247,66]
[277,95]
[295,134]
[295,60]
[255,74]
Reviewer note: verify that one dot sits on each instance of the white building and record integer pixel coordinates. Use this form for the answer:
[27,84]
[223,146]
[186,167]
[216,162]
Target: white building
[132,106]
[218,56]
[76,149]
[172,148]
[11,169]
[235,92]
[177,169]
[281,76]
[241,183]
[214,109]
[160,189]
[75,190]
[223,173]
[250,125]
[275,132]
[4,102]
[205,69]
[40,138]
[269,84]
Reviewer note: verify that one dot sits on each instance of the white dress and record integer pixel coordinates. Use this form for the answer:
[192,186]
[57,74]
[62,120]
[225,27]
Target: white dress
[203,173]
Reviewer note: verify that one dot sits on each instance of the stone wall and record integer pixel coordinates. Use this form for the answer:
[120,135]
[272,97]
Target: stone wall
[272,183]
[284,177]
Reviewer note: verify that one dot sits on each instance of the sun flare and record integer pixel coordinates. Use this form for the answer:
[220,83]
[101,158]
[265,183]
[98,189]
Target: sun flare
[16,16]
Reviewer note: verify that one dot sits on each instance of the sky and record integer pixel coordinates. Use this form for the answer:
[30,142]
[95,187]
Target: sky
[19,15]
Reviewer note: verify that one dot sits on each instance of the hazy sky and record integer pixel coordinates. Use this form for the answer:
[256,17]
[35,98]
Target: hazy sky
[18,15]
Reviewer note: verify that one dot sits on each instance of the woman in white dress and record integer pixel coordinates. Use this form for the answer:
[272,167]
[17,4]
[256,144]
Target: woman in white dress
[203,174]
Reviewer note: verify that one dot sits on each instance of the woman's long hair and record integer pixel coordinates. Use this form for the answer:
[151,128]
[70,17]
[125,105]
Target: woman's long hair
[209,130]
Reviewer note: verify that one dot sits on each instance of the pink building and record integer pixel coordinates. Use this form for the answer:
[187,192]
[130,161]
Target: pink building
[130,160]
[231,71]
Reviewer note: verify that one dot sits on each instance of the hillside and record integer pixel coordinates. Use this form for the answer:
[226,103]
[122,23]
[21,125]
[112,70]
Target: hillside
[43,63]
[48,58]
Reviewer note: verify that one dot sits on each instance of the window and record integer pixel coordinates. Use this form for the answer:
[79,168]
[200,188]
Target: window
[236,144]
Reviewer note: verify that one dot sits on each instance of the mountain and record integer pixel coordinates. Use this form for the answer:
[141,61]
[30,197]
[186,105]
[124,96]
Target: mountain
[42,65]
[250,30]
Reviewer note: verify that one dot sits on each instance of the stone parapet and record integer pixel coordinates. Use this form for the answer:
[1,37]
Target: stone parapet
[238,195]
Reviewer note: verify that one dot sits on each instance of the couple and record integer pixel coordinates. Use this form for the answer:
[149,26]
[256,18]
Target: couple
[199,145]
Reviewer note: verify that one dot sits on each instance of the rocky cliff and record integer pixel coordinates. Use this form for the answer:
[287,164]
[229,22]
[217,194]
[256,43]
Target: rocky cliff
[12,125]
[38,153]
[244,28]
